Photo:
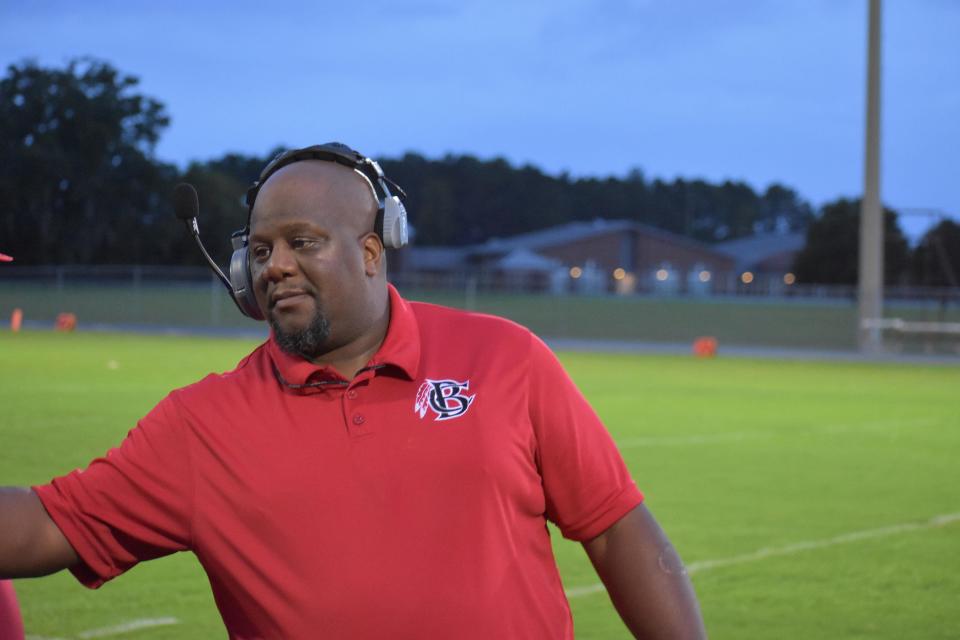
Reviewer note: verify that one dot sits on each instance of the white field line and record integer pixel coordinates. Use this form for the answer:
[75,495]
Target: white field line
[710,438]
[116,630]
[125,627]
[797,547]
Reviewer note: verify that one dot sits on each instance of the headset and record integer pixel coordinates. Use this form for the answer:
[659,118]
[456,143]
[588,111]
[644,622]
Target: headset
[390,225]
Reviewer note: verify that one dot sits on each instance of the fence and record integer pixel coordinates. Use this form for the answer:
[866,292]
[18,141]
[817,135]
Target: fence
[188,298]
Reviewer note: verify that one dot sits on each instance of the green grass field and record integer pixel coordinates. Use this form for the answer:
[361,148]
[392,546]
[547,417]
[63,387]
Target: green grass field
[810,500]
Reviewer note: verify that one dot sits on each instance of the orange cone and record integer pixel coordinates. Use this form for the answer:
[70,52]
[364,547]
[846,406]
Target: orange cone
[16,320]
[705,347]
[66,322]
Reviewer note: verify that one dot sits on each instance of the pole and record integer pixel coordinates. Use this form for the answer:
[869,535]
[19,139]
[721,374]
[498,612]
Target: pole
[870,280]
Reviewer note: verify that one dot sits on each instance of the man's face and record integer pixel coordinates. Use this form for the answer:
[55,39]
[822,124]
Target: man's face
[313,255]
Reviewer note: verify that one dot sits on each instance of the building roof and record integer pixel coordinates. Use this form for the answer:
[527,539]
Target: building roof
[435,258]
[519,250]
[551,236]
[756,248]
[526,260]
[574,231]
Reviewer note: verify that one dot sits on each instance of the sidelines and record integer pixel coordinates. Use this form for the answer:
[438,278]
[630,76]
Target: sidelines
[797,547]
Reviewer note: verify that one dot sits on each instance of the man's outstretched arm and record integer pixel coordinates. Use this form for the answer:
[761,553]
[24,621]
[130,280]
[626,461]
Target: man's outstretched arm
[645,578]
[31,544]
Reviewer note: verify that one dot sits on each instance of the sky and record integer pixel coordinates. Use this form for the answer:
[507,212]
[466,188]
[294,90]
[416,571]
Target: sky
[762,91]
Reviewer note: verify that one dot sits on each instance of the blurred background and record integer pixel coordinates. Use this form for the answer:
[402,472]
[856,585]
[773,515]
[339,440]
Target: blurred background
[644,171]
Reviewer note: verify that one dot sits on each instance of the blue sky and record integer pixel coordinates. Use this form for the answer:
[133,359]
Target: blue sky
[761,91]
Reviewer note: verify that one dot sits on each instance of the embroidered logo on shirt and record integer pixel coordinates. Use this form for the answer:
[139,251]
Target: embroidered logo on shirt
[444,397]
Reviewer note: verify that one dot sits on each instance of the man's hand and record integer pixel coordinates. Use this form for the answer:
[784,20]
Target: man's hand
[31,544]
[646,579]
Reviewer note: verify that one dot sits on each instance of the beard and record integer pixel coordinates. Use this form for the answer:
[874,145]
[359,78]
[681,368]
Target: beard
[309,342]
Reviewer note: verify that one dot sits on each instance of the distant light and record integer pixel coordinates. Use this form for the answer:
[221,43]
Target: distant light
[704,276]
[619,274]
[662,274]
[746,277]
[789,278]
[575,272]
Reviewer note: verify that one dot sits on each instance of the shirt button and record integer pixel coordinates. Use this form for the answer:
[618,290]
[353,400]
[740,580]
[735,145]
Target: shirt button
[358,418]
[352,394]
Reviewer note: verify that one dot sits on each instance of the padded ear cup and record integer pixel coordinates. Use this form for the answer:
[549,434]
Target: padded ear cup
[394,232]
[242,283]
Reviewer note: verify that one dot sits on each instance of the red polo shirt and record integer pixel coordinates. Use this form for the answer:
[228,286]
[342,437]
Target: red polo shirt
[410,502]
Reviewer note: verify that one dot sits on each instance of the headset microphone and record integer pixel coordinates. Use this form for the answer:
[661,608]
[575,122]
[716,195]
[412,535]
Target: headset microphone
[186,206]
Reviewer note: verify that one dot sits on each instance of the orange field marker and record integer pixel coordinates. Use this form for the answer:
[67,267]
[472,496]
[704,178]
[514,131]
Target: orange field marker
[66,322]
[705,347]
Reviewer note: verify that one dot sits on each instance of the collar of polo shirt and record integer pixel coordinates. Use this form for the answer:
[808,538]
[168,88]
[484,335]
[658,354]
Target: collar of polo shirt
[400,351]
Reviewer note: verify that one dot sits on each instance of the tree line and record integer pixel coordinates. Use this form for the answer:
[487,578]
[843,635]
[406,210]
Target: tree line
[80,184]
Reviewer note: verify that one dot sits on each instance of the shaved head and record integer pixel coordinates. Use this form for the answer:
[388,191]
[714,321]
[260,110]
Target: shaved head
[351,191]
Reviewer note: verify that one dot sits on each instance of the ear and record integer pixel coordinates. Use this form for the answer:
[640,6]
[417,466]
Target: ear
[372,254]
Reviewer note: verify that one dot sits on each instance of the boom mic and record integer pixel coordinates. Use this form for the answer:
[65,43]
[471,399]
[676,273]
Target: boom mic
[186,203]
[186,206]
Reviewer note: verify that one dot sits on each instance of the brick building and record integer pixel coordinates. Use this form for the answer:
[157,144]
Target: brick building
[616,255]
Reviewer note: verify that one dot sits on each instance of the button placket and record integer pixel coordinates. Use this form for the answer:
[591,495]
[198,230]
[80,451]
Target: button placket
[354,417]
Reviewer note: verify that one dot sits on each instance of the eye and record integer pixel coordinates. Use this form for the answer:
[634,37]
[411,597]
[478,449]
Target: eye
[304,243]
[260,252]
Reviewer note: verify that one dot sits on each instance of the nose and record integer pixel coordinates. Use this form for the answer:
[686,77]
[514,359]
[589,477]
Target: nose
[281,264]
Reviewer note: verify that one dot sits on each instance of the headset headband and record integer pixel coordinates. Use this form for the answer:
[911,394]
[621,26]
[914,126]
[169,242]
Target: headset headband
[329,152]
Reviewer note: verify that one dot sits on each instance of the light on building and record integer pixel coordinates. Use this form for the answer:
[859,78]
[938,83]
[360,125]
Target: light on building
[704,276]
[575,272]
[662,275]
[789,278]
[746,277]
[619,274]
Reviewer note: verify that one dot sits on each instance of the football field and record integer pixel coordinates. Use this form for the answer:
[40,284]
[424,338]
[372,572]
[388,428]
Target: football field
[808,499]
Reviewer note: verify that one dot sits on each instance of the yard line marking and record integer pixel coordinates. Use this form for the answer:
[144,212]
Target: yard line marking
[125,627]
[797,547]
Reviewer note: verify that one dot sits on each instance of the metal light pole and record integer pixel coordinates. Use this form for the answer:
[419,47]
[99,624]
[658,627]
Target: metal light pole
[870,285]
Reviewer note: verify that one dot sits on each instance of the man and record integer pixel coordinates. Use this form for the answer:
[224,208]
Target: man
[378,468]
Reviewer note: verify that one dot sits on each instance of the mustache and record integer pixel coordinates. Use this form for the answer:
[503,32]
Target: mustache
[274,297]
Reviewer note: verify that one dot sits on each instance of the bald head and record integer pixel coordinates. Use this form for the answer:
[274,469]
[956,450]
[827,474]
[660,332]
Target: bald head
[349,196]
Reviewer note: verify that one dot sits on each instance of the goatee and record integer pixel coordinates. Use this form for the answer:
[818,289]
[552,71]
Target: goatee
[309,342]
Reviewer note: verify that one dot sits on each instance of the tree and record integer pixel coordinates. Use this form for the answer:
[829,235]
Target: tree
[832,247]
[781,209]
[461,200]
[936,260]
[221,209]
[78,182]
